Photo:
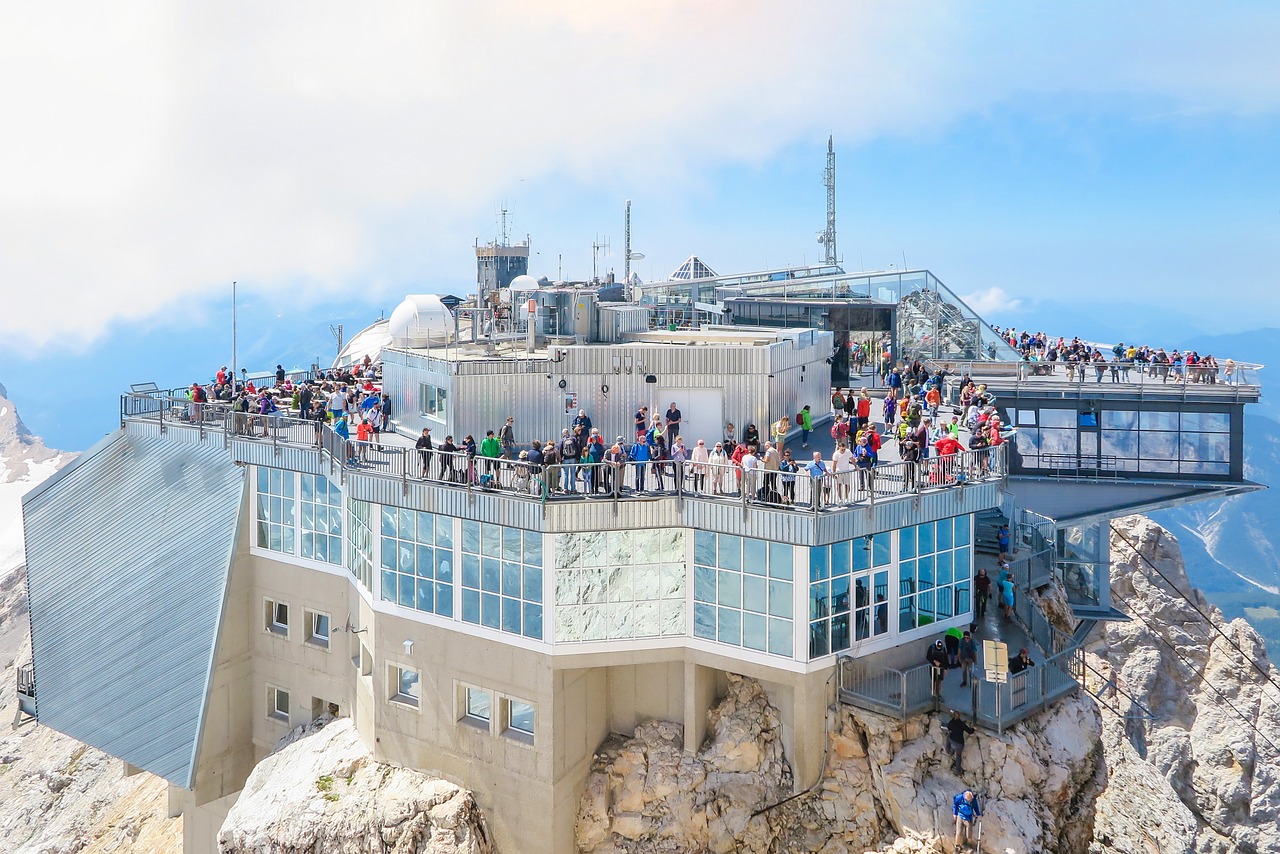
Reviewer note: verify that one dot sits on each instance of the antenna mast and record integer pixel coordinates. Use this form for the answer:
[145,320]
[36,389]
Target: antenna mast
[626,253]
[828,238]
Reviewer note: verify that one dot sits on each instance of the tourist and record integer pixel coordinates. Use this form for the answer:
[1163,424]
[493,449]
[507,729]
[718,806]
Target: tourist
[772,459]
[937,659]
[423,445]
[751,438]
[779,431]
[730,438]
[957,728]
[491,450]
[673,422]
[639,457]
[864,459]
[837,402]
[864,409]
[819,482]
[717,467]
[787,468]
[966,810]
[447,459]
[842,467]
[968,657]
[1021,661]
[698,459]
[507,438]
[806,425]
[981,593]
[569,451]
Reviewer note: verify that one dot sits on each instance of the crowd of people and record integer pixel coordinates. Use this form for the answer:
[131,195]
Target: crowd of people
[1117,361]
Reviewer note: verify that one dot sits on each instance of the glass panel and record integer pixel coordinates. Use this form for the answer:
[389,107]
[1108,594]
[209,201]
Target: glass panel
[426,528]
[532,584]
[1119,419]
[704,584]
[1122,444]
[755,594]
[444,566]
[444,532]
[388,585]
[491,540]
[490,575]
[944,568]
[521,717]
[925,572]
[944,530]
[1206,447]
[471,606]
[426,561]
[880,555]
[511,544]
[704,621]
[533,620]
[840,594]
[470,571]
[533,548]
[444,600]
[906,577]
[729,626]
[490,610]
[1158,421]
[819,568]
[478,703]
[407,595]
[1058,442]
[839,632]
[470,536]
[407,526]
[906,613]
[780,599]
[943,602]
[510,579]
[927,543]
[730,589]
[906,543]
[924,604]
[755,556]
[1206,422]
[426,597]
[730,552]
[840,564]
[819,600]
[961,598]
[1057,418]
[962,530]
[704,548]
[780,638]
[819,640]
[780,561]
[755,631]
[511,615]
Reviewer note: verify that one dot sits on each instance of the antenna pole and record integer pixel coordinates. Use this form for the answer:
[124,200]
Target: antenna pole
[233,338]
[829,181]
[626,253]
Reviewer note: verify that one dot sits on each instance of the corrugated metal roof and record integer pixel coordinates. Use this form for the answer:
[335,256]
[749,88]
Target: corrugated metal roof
[128,553]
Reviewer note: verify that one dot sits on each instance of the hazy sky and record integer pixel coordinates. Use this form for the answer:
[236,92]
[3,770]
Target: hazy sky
[1090,161]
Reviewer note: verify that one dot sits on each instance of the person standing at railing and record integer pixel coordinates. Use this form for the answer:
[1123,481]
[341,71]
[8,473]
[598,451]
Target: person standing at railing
[771,463]
[570,451]
[337,403]
[968,657]
[750,468]
[842,470]
[639,458]
[1021,661]
[447,458]
[490,450]
[364,436]
[947,448]
[864,459]
[424,448]
[787,469]
[819,478]
[319,416]
[340,427]
[1229,371]
[717,467]
[909,451]
[698,459]
[592,475]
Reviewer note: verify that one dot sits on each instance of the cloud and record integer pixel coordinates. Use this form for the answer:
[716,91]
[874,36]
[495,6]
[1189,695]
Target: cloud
[993,305]
[158,151]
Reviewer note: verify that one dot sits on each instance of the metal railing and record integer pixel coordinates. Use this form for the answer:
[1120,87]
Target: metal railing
[1001,704]
[899,693]
[624,479]
[1109,374]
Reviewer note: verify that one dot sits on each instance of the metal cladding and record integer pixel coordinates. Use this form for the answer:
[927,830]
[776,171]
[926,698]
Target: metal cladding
[128,555]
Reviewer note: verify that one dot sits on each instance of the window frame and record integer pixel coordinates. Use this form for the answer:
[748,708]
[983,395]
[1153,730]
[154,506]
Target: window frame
[313,638]
[395,682]
[509,729]
[271,613]
[274,710]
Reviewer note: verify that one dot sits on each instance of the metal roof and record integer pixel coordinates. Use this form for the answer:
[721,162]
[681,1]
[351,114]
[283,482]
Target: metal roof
[128,554]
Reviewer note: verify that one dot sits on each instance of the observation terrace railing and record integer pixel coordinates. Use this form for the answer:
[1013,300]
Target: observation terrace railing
[1243,382]
[392,456]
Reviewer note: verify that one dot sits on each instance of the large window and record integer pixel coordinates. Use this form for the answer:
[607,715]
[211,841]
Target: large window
[848,593]
[321,519]
[935,566]
[502,578]
[743,592]
[274,510]
[360,542]
[432,401]
[417,560]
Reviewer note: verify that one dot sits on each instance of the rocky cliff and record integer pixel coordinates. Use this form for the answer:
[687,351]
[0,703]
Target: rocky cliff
[1190,710]
[1183,772]
[322,792]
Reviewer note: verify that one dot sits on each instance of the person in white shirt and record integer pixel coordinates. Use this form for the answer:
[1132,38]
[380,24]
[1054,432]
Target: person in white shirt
[698,458]
[842,468]
[750,463]
[718,466]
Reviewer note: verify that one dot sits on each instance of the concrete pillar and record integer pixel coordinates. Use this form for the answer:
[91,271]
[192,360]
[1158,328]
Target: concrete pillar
[699,695]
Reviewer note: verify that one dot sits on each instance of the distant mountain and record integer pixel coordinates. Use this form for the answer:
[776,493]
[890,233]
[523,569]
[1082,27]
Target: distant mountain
[1230,547]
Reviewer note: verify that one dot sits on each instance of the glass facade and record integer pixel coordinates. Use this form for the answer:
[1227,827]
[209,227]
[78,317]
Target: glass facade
[417,560]
[743,592]
[502,578]
[848,593]
[935,568]
[360,542]
[321,519]
[1127,440]
[275,510]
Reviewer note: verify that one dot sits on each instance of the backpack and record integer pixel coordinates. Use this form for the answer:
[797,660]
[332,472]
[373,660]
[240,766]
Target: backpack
[799,419]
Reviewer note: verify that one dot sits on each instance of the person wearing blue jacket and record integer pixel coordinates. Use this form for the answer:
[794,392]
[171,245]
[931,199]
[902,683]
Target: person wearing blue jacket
[967,811]
[640,456]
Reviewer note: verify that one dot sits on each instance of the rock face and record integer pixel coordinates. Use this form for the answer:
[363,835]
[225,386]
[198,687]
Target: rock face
[1188,770]
[646,794]
[886,782]
[322,792]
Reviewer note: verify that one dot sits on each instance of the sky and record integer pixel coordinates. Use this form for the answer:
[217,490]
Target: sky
[1079,168]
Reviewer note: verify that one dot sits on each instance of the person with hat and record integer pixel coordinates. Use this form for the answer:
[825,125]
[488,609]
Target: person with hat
[937,658]
[1021,661]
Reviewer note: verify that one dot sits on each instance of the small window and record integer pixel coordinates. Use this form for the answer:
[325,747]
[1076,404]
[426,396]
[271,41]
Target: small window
[277,617]
[478,705]
[277,704]
[520,720]
[406,685]
[317,629]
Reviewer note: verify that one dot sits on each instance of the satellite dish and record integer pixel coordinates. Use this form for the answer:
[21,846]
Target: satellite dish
[636,256]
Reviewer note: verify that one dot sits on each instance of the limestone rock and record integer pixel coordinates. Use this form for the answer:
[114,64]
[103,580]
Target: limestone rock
[322,792]
[1188,772]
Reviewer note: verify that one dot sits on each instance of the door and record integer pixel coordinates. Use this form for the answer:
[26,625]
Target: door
[701,412]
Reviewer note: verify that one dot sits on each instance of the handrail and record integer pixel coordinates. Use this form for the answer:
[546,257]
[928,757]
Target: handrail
[568,480]
[1117,375]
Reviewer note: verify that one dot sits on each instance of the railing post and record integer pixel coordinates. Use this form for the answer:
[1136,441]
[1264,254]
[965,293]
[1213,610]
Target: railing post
[902,695]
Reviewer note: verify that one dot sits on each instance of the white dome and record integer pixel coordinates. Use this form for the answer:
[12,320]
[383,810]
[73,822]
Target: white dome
[420,321]
[524,283]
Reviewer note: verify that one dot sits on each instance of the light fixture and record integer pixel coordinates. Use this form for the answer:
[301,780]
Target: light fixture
[408,647]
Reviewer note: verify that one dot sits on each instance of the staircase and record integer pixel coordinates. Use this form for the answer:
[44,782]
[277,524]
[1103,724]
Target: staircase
[985,526]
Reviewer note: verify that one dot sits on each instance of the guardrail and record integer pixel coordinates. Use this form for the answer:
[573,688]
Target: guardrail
[623,479]
[998,705]
[1118,374]
[898,693]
